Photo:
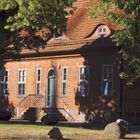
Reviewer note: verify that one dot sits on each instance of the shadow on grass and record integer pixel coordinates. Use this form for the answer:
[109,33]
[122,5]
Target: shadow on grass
[131,136]
[135,128]
[134,138]
[22,122]
[26,122]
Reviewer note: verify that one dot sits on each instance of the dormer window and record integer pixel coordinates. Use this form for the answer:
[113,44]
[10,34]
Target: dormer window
[102,31]
[58,34]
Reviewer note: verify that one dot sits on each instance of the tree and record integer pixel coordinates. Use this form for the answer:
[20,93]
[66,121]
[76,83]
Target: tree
[127,14]
[28,17]
[36,13]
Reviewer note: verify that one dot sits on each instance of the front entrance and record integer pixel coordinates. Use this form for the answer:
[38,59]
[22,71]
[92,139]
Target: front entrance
[51,89]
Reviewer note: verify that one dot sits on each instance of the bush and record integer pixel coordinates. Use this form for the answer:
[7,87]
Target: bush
[5,115]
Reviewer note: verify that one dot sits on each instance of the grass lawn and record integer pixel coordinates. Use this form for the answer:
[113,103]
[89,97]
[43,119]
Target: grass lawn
[9,131]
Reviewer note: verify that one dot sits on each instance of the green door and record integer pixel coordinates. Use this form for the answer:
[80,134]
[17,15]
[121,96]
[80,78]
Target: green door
[51,89]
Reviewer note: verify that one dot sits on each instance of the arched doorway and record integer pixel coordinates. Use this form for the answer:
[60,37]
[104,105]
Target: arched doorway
[51,88]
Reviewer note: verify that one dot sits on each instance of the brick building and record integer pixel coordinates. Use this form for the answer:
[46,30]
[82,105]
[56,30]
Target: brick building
[77,72]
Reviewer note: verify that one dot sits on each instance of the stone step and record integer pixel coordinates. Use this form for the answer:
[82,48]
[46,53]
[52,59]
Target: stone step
[34,113]
[60,117]
[51,109]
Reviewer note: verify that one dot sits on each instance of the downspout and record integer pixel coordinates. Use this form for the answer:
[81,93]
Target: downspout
[121,86]
[121,90]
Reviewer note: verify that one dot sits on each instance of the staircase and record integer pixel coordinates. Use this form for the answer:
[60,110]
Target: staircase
[44,115]
[32,108]
[32,114]
[30,101]
[54,113]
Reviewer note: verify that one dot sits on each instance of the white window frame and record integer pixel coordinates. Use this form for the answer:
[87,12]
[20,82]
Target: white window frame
[38,82]
[80,80]
[101,30]
[59,37]
[64,81]
[4,83]
[21,81]
[107,80]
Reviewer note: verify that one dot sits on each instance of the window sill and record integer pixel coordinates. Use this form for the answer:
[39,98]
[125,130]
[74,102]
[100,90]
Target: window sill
[38,95]
[3,95]
[64,96]
[107,96]
[21,96]
[80,96]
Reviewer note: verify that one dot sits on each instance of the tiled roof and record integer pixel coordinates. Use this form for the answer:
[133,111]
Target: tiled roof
[80,26]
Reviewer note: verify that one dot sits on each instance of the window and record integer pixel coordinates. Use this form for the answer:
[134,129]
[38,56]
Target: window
[58,34]
[21,82]
[102,31]
[64,81]
[38,81]
[4,82]
[83,81]
[107,80]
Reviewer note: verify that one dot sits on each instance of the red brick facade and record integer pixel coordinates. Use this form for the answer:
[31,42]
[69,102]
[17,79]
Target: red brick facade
[80,46]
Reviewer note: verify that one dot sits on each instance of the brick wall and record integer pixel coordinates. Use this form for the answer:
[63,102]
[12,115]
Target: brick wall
[79,27]
[93,58]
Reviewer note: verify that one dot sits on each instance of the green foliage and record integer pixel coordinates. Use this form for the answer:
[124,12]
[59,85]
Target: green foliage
[30,16]
[128,36]
[36,13]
